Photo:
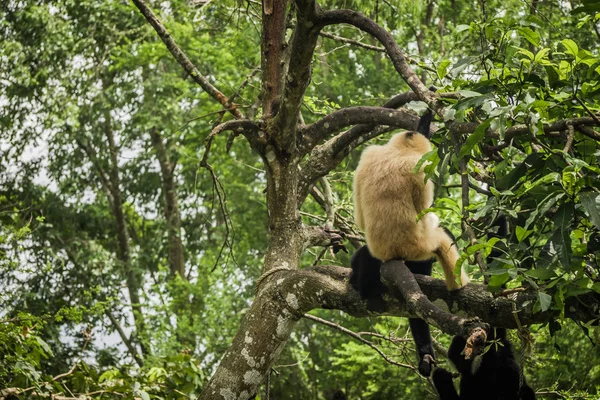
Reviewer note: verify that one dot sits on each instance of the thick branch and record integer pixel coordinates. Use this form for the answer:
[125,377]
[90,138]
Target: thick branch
[182,59]
[357,115]
[273,51]
[303,43]
[286,295]
[418,304]
[393,50]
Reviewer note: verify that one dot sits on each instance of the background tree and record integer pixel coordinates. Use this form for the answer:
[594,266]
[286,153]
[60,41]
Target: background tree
[164,180]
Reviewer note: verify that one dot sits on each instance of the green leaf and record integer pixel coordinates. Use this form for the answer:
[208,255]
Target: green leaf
[570,47]
[442,69]
[541,55]
[522,233]
[591,204]
[496,281]
[526,53]
[474,139]
[461,28]
[530,35]
[545,300]
[541,273]
[562,238]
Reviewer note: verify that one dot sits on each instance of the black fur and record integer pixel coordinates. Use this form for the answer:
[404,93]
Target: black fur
[366,280]
[498,373]
[495,378]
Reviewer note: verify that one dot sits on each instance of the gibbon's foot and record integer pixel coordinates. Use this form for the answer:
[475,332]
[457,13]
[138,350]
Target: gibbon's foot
[452,285]
[426,365]
[464,278]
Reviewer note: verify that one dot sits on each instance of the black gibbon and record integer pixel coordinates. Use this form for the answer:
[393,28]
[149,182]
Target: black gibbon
[493,375]
[388,197]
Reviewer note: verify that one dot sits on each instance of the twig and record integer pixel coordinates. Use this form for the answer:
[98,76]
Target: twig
[329,203]
[360,339]
[570,136]
[183,59]
[587,110]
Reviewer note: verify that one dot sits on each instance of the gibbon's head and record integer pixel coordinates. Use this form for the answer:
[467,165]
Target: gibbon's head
[410,142]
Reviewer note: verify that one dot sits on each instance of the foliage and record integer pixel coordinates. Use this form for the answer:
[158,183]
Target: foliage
[73,74]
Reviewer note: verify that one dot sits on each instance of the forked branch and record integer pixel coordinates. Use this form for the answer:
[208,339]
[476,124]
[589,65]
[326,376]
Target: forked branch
[183,59]
[391,47]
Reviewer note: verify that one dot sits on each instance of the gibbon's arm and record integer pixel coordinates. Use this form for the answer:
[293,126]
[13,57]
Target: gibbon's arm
[358,213]
[421,193]
[442,380]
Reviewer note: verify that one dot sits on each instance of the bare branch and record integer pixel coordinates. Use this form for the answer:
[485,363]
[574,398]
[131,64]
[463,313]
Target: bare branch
[356,115]
[302,47]
[570,137]
[393,50]
[130,346]
[589,132]
[360,339]
[319,236]
[329,202]
[352,42]
[273,52]
[249,129]
[182,59]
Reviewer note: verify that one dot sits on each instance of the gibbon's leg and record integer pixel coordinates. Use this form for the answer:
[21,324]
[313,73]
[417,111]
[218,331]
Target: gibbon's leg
[418,327]
[447,255]
[442,380]
[366,278]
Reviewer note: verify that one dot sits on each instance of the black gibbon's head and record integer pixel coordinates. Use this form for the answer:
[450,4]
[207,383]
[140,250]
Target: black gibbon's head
[410,142]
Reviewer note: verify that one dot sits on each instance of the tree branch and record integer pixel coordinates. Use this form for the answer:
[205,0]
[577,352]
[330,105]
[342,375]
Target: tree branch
[355,115]
[184,61]
[272,53]
[130,346]
[303,43]
[286,295]
[360,339]
[393,50]
[418,304]
[510,133]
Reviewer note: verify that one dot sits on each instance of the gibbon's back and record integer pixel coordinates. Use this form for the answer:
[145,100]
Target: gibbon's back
[388,196]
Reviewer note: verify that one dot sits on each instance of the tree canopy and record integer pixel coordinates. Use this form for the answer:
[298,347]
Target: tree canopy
[176,211]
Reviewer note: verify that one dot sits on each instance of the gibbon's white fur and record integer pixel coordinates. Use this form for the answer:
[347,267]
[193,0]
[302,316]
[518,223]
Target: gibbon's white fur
[388,196]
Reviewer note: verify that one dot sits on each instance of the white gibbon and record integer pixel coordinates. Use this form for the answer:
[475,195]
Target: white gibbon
[388,197]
